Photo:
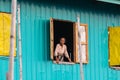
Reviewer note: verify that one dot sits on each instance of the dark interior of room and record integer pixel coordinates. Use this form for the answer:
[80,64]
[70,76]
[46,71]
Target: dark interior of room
[64,29]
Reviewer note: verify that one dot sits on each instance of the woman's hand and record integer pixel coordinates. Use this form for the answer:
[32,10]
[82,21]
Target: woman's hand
[57,60]
[69,60]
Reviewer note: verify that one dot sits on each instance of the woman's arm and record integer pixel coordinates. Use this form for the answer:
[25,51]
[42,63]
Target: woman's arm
[66,54]
[56,54]
[57,59]
[69,59]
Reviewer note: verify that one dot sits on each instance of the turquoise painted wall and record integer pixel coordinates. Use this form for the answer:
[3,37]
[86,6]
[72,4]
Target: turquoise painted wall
[35,26]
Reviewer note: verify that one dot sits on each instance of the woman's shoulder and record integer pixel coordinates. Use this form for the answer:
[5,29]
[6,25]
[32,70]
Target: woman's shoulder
[58,44]
[65,46]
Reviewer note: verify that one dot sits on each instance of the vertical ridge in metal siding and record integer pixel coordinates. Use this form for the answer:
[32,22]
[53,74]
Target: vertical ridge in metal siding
[99,40]
[33,50]
[23,34]
[92,47]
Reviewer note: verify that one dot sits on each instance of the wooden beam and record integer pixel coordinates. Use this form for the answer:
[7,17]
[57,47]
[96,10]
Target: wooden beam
[12,40]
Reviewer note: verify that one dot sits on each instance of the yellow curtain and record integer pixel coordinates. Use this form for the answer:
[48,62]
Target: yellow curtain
[5,24]
[114,45]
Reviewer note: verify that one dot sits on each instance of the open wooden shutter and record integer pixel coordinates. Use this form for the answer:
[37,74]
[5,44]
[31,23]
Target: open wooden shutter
[75,33]
[114,46]
[51,38]
[5,24]
[84,43]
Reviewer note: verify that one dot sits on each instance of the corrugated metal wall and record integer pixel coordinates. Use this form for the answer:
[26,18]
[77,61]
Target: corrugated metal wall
[35,26]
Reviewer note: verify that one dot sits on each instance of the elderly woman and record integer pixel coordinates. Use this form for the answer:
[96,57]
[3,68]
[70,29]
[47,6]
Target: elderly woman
[61,51]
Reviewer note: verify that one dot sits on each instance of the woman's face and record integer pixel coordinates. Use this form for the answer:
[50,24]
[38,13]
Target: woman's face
[62,41]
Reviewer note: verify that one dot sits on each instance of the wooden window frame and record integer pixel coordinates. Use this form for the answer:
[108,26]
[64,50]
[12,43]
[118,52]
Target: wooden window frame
[82,43]
[52,40]
[75,41]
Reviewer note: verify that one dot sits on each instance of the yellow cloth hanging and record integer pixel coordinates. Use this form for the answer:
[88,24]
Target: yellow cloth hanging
[5,24]
[114,46]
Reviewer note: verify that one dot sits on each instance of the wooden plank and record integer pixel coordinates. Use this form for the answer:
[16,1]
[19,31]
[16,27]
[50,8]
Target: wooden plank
[51,38]
[86,27]
[12,40]
[75,42]
[71,63]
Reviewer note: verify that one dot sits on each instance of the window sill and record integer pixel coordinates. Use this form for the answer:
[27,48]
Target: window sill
[69,63]
[83,62]
[116,68]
